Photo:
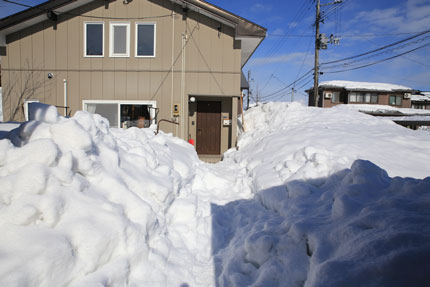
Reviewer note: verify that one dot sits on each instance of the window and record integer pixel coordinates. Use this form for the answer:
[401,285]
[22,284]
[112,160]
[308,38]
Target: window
[367,98]
[355,97]
[106,110]
[124,114]
[145,39]
[93,39]
[119,39]
[395,100]
[27,115]
[335,97]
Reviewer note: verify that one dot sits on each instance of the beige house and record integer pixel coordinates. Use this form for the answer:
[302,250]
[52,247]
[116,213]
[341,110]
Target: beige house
[333,93]
[132,61]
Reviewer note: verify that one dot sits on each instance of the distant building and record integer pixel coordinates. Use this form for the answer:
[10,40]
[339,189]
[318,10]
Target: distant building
[421,101]
[334,93]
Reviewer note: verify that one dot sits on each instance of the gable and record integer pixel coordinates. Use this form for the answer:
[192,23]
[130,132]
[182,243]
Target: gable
[249,34]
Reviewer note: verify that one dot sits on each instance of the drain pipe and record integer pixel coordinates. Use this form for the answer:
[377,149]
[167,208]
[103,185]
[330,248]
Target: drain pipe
[65,97]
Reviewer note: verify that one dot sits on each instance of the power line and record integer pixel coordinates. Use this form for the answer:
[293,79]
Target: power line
[378,49]
[86,16]
[289,85]
[380,61]
[345,36]
[389,51]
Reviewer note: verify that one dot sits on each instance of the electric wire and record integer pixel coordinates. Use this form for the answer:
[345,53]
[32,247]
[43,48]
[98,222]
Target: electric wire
[380,61]
[376,50]
[86,16]
[389,51]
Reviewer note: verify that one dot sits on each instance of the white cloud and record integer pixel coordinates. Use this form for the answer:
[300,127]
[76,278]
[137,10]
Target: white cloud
[284,58]
[412,16]
[259,7]
[277,31]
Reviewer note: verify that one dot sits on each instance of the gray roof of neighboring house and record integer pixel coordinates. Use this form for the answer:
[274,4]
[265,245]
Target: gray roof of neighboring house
[248,32]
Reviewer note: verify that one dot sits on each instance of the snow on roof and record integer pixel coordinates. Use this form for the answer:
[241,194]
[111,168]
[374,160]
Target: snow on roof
[385,109]
[425,96]
[364,86]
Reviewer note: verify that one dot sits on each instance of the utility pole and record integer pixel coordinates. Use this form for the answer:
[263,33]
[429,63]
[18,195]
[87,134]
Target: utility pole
[317,52]
[292,94]
[320,43]
[249,89]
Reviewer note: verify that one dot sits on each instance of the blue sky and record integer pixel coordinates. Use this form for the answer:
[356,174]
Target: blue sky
[280,60]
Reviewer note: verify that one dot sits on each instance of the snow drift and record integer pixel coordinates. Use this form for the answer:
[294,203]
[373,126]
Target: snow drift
[82,206]
[311,198]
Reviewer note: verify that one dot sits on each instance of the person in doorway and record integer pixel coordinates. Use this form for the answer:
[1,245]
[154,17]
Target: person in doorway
[141,122]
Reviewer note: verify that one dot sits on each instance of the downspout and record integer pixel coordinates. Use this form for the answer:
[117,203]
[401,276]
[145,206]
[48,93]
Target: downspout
[173,61]
[65,97]
[182,116]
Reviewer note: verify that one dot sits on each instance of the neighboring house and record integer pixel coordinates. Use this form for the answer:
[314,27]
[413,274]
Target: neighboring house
[132,60]
[333,93]
[421,101]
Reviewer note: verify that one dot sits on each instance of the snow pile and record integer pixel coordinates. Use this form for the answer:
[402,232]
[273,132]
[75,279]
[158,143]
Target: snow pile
[357,227]
[81,205]
[323,215]
[286,141]
[301,203]
[364,86]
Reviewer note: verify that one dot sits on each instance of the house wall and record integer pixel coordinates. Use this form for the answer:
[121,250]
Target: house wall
[383,99]
[212,67]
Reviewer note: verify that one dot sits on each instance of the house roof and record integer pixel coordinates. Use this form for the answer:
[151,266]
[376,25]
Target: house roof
[248,32]
[364,86]
[423,97]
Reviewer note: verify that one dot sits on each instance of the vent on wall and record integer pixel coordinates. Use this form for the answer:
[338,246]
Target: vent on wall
[328,95]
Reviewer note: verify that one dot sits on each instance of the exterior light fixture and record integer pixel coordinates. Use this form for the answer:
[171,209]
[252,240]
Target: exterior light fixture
[50,75]
[192,99]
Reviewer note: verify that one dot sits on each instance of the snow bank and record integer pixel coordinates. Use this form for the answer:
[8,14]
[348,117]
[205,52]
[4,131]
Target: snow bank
[82,205]
[364,86]
[286,141]
[324,215]
[357,227]
[301,203]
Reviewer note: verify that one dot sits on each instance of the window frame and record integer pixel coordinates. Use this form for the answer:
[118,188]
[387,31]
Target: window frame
[136,39]
[85,39]
[112,39]
[119,103]
[395,100]
[335,95]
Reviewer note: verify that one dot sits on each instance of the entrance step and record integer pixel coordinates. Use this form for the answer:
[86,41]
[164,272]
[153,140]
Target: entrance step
[209,158]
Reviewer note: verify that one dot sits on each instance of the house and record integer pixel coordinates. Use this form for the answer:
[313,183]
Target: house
[421,101]
[333,93]
[130,61]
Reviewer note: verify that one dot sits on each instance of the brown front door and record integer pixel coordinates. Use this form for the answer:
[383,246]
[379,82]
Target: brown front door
[208,139]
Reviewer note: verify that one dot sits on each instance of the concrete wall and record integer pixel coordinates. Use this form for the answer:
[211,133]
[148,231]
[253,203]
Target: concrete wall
[211,64]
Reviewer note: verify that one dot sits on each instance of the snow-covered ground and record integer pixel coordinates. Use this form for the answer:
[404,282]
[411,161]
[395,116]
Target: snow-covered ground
[312,197]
